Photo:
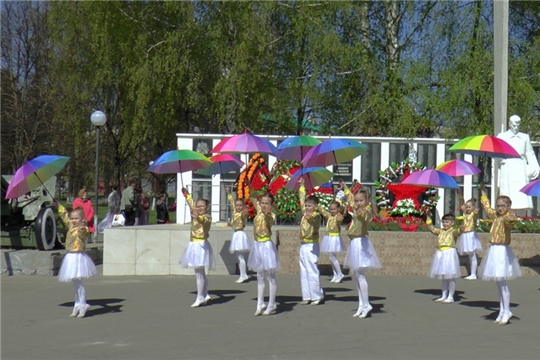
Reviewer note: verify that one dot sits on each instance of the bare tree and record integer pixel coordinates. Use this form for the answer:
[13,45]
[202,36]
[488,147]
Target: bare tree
[24,93]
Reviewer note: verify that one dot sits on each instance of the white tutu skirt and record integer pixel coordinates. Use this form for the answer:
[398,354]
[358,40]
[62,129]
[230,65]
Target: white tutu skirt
[239,242]
[445,265]
[263,256]
[76,265]
[197,254]
[361,255]
[332,244]
[499,263]
[469,243]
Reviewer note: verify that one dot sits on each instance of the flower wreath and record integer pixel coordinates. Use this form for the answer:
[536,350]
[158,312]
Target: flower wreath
[256,171]
[286,201]
[393,173]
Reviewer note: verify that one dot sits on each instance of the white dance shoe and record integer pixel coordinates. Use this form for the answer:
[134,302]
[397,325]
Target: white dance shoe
[471,277]
[75,312]
[365,311]
[270,310]
[448,300]
[260,310]
[82,311]
[506,318]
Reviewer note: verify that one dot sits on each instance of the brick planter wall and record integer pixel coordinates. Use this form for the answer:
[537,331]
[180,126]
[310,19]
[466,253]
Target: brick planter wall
[408,253]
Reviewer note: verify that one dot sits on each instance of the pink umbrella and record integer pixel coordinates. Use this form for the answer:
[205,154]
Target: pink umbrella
[431,178]
[458,167]
[245,144]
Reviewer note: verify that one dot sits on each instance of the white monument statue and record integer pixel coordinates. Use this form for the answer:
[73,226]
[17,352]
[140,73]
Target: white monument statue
[518,172]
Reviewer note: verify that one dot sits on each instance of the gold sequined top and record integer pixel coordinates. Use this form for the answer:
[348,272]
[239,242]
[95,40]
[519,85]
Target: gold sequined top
[469,220]
[200,225]
[360,218]
[309,227]
[76,237]
[447,238]
[262,223]
[502,226]
[333,222]
[239,219]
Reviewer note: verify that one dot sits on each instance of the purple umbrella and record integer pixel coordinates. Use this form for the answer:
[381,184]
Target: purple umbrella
[312,177]
[33,173]
[458,167]
[245,144]
[532,188]
[431,178]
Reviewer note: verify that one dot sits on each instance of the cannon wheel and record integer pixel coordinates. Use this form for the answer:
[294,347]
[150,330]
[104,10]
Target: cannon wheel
[45,229]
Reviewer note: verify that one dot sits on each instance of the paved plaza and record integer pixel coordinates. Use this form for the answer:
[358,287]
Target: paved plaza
[136,317]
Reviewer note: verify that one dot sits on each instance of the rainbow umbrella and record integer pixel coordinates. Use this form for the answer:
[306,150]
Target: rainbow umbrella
[179,161]
[532,188]
[485,145]
[312,176]
[458,167]
[431,178]
[294,148]
[221,164]
[333,151]
[33,173]
[245,144]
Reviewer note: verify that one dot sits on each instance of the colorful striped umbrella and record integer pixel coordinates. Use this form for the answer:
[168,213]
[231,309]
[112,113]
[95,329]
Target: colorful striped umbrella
[333,151]
[179,161]
[485,145]
[458,167]
[33,173]
[313,177]
[532,188]
[431,178]
[221,164]
[245,144]
[296,147]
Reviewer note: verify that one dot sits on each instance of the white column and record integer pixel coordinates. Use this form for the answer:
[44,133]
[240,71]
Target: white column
[467,181]
[385,155]
[182,211]
[500,85]
[441,156]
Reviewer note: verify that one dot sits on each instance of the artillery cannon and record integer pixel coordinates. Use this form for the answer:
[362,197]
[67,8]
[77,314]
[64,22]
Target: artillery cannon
[30,221]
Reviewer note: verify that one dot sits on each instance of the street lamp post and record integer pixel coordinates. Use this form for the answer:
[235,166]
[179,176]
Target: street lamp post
[98,119]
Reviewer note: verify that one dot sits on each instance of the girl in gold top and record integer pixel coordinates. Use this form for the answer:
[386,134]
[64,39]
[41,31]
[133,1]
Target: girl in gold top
[468,242]
[499,263]
[445,265]
[240,243]
[198,253]
[332,242]
[361,255]
[264,256]
[76,264]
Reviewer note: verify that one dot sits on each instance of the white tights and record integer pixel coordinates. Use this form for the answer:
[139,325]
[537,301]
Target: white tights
[474,263]
[241,265]
[80,293]
[271,276]
[362,287]
[504,297]
[335,265]
[202,283]
[448,288]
